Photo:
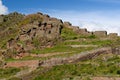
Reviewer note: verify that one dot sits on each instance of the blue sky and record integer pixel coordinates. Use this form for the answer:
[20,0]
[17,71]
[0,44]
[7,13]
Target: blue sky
[25,6]
[91,14]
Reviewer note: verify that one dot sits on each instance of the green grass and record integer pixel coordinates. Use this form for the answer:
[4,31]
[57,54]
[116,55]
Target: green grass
[69,53]
[57,48]
[68,34]
[95,67]
[14,78]
[61,48]
[7,72]
[89,42]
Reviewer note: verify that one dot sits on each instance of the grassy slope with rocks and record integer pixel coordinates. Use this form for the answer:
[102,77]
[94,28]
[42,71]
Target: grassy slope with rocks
[9,27]
[7,72]
[104,65]
[85,70]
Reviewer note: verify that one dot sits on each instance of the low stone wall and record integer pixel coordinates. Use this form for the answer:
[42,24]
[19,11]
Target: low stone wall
[59,61]
[77,57]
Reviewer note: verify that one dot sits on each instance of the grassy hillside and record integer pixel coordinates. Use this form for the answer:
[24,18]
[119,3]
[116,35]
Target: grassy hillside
[104,65]
[66,44]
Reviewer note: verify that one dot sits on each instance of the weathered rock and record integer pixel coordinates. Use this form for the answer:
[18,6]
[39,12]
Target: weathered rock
[100,33]
[37,31]
[85,32]
[11,43]
[68,24]
[113,35]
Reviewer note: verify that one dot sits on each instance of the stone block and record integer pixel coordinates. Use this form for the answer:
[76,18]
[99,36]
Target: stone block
[100,33]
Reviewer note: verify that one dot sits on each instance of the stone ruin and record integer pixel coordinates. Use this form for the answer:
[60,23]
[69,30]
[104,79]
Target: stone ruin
[100,33]
[44,30]
[77,29]
[85,32]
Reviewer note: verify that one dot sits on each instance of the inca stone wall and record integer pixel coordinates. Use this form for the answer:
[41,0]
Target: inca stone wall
[100,33]
[85,32]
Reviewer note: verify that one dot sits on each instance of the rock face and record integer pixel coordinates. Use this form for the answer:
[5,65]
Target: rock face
[46,27]
[36,31]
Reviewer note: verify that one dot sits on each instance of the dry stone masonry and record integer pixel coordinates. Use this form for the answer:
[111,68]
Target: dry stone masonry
[85,32]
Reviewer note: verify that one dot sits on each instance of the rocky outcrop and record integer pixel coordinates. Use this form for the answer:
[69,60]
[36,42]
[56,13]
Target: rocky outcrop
[36,31]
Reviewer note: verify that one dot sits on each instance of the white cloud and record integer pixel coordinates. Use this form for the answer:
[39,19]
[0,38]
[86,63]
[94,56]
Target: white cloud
[97,20]
[3,8]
